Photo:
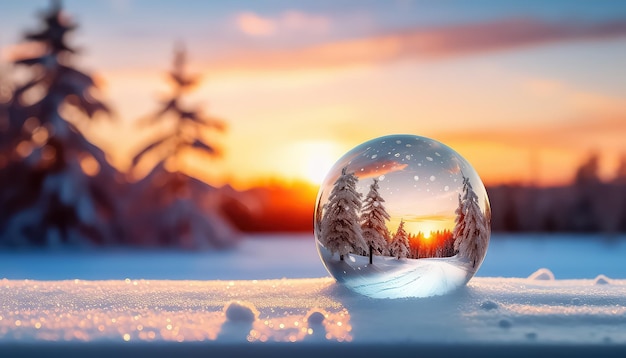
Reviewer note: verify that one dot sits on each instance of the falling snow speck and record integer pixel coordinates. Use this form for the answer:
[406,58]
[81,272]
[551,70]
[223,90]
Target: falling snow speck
[430,159]
[397,155]
[432,178]
[416,178]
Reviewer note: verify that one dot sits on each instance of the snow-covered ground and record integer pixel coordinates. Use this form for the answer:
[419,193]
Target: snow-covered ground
[295,256]
[224,304]
[389,277]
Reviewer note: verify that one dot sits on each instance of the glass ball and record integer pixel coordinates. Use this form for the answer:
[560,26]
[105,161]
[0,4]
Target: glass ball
[402,216]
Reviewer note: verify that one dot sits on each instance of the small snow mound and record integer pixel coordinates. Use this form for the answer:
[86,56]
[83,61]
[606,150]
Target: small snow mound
[505,323]
[543,274]
[602,280]
[315,317]
[488,305]
[531,336]
[237,311]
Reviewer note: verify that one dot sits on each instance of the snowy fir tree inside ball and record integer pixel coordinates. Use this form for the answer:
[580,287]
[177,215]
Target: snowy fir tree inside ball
[402,216]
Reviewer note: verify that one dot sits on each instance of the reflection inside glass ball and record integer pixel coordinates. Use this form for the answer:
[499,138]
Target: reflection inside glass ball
[402,216]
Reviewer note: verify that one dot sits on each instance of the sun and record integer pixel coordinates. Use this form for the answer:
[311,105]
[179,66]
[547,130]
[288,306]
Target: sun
[315,159]
[426,227]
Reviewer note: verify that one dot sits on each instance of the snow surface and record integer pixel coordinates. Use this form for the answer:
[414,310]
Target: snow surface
[490,316]
[295,256]
[389,277]
[488,310]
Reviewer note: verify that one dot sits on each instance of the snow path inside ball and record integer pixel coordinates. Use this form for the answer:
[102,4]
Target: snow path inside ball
[487,310]
[422,278]
[393,278]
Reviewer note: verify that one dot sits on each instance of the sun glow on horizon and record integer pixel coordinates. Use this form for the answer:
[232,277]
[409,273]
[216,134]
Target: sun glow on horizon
[315,158]
[426,227]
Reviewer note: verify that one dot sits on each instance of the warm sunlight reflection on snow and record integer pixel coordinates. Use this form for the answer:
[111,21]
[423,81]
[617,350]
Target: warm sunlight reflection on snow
[295,328]
[178,311]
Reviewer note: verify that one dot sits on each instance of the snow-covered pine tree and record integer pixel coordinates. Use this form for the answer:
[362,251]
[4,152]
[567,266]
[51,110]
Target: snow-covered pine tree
[399,246]
[189,123]
[459,223]
[52,195]
[341,231]
[474,238]
[317,222]
[168,204]
[373,217]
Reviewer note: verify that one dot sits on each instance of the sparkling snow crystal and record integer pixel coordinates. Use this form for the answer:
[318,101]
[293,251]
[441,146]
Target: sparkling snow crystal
[488,310]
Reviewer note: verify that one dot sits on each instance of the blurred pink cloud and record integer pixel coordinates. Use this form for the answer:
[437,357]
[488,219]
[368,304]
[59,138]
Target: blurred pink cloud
[255,25]
[416,43]
[290,21]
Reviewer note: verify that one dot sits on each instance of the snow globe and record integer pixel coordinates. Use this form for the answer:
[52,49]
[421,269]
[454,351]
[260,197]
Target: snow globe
[402,216]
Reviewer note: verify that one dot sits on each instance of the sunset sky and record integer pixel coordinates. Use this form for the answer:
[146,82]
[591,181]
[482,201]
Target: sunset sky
[419,180]
[524,90]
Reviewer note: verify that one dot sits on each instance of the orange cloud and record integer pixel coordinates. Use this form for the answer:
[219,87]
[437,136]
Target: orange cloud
[418,43]
[541,155]
[381,168]
[577,131]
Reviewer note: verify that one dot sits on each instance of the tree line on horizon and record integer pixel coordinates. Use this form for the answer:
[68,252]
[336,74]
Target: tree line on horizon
[587,205]
[439,243]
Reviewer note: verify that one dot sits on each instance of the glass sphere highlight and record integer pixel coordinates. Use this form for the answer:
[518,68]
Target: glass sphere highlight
[402,216]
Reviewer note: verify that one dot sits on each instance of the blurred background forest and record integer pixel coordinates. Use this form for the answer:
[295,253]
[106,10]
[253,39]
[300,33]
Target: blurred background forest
[158,123]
